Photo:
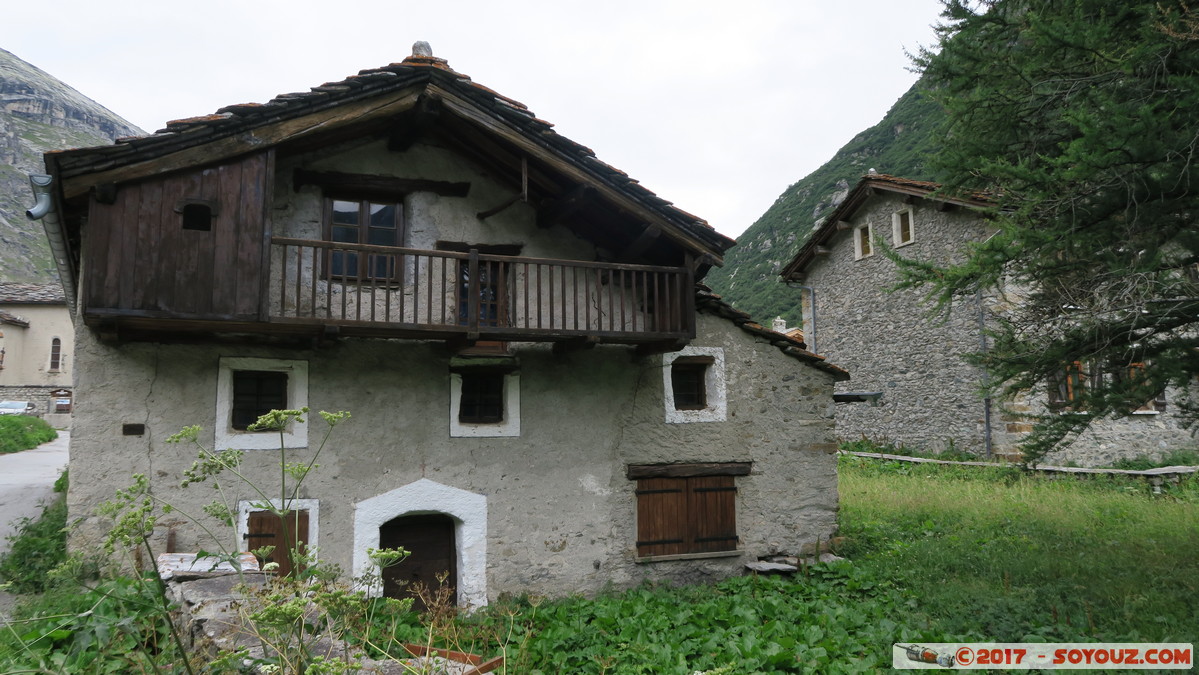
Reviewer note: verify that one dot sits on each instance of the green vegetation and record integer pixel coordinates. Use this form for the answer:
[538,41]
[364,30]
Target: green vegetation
[22,432]
[939,554]
[1174,458]
[936,554]
[1079,119]
[900,144]
[1001,555]
[38,547]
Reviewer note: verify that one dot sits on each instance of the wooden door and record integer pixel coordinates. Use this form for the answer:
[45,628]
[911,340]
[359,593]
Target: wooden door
[430,539]
[267,529]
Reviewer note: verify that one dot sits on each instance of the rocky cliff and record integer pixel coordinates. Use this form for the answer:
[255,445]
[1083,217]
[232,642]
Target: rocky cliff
[39,113]
[899,145]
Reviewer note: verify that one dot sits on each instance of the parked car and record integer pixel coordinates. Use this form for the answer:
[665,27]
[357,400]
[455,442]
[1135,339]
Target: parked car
[16,408]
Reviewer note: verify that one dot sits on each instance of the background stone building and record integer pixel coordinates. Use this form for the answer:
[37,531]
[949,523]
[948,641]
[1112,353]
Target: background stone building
[543,398]
[894,343]
[36,349]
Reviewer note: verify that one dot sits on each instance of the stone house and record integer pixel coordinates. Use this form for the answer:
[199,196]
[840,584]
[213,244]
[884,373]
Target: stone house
[544,397]
[930,396]
[36,344]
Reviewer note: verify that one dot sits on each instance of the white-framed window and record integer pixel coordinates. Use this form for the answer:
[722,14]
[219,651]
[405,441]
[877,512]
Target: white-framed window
[484,403]
[863,241]
[903,227]
[248,387]
[693,381]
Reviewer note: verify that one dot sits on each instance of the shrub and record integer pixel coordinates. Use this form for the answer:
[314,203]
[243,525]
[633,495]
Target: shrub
[21,432]
[38,546]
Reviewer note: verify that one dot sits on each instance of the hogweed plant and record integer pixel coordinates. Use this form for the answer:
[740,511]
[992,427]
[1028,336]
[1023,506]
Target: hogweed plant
[285,616]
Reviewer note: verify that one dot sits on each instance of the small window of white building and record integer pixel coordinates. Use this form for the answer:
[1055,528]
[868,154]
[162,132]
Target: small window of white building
[903,227]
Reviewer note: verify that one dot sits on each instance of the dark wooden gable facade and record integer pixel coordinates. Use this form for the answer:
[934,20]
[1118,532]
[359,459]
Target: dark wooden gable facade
[186,245]
[172,233]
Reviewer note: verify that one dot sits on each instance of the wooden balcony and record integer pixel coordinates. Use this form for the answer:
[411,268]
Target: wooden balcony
[385,291]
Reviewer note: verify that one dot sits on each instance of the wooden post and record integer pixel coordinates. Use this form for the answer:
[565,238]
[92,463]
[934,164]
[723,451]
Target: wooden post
[472,297]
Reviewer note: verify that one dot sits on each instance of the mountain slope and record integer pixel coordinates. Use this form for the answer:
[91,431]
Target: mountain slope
[39,113]
[898,145]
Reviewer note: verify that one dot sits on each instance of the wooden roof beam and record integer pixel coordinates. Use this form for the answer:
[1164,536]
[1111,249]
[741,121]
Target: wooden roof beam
[561,208]
[253,140]
[414,124]
[337,180]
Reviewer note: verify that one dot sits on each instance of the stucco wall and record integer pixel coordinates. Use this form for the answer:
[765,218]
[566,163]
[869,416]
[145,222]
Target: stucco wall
[546,509]
[560,513]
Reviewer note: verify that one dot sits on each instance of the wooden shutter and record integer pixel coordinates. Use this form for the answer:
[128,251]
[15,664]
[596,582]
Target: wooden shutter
[266,529]
[712,513]
[695,514]
[661,516]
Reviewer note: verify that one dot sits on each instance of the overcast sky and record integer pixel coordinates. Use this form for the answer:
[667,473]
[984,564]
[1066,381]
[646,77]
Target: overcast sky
[716,106]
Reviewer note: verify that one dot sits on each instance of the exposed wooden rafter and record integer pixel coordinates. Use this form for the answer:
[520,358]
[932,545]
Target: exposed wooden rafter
[555,211]
[251,141]
[413,124]
[336,180]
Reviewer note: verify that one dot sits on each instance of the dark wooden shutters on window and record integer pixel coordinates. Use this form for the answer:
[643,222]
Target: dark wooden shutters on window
[696,514]
[255,393]
[267,529]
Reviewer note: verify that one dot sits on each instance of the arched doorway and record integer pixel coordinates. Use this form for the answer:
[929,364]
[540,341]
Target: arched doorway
[430,539]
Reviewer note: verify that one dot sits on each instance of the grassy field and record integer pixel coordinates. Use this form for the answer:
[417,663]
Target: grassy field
[936,554]
[992,554]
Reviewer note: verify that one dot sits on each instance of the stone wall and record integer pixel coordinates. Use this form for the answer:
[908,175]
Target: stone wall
[892,342]
[39,396]
[888,341]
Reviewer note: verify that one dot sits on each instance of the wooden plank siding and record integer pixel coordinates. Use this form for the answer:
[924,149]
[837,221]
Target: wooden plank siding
[141,259]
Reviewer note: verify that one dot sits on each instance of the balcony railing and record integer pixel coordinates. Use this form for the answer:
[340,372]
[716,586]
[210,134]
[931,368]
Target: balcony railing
[419,293]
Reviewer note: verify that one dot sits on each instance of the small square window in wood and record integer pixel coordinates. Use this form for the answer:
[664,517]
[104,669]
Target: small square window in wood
[688,380]
[482,400]
[695,514]
[197,217]
[255,393]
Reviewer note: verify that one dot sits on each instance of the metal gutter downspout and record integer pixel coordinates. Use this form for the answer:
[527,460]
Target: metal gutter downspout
[45,210]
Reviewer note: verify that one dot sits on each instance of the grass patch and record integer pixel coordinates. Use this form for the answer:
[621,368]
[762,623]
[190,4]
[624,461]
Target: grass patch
[1173,458]
[998,555]
[39,546]
[22,432]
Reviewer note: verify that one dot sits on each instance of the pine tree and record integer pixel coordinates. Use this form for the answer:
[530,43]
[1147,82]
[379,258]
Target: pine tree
[1080,120]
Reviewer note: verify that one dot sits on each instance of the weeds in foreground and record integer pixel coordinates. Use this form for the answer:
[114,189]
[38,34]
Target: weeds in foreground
[38,546]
